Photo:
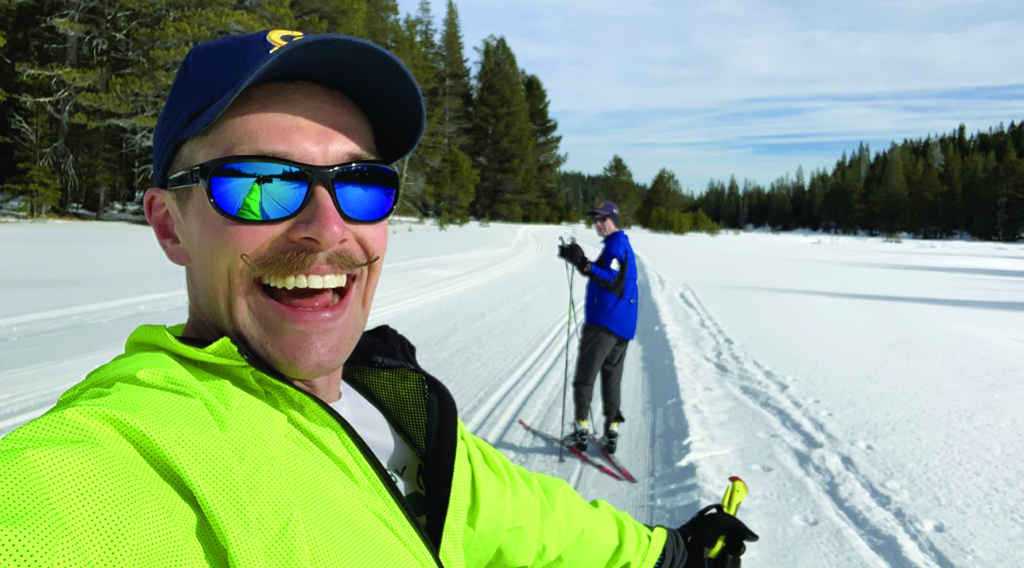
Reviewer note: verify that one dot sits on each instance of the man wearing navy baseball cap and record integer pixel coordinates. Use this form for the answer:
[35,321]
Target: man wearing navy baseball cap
[610,324]
[269,429]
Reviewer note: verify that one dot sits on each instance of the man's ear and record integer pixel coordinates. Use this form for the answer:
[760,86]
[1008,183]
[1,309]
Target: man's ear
[163,216]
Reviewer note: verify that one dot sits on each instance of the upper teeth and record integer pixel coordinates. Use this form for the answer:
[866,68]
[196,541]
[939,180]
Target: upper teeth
[307,281]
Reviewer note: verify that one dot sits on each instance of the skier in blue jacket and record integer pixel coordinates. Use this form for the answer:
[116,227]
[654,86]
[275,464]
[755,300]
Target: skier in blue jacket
[610,324]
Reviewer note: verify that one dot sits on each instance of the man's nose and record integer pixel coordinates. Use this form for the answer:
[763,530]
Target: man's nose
[320,223]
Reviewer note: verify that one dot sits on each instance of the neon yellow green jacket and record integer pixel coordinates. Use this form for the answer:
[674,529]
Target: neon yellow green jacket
[181,455]
[252,204]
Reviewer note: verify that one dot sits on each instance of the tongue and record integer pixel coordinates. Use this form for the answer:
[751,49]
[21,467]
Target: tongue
[303,298]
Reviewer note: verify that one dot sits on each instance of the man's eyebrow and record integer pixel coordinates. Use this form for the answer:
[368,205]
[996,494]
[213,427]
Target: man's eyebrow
[363,157]
[358,156]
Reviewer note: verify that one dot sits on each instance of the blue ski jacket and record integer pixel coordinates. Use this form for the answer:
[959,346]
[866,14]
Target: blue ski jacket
[611,291]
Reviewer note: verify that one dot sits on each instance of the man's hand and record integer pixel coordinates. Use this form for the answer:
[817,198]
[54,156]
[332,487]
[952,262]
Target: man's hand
[701,533]
[574,255]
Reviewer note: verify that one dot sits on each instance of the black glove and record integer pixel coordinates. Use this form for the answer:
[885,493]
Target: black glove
[701,534]
[573,254]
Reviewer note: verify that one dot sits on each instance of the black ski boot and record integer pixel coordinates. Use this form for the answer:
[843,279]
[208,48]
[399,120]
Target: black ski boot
[578,438]
[611,440]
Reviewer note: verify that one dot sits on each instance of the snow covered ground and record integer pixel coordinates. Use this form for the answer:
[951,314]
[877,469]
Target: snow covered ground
[870,393]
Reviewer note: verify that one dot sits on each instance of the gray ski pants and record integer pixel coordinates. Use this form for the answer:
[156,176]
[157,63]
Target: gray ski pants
[601,350]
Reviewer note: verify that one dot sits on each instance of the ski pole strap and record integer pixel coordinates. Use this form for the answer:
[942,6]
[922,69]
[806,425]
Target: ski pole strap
[734,495]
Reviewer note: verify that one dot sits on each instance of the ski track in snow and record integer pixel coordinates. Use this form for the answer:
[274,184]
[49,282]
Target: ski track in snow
[653,435]
[884,532]
[36,328]
[42,323]
[522,251]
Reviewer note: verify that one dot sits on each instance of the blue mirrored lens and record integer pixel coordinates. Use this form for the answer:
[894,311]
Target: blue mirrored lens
[366,192]
[258,191]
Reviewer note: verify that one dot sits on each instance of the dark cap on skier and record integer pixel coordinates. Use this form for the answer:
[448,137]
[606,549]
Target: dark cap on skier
[608,209]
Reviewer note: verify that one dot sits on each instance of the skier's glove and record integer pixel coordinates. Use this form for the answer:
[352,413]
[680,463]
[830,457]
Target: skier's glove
[574,255]
[701,533]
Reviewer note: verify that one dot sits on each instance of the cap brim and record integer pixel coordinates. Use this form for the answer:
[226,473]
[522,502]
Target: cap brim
[374,79]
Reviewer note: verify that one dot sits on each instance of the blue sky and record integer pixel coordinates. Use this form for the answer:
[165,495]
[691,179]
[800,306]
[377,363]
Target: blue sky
[755,87]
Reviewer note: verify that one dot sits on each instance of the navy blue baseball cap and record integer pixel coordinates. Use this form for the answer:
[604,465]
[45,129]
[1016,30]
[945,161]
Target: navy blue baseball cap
[215,72]
[608,209]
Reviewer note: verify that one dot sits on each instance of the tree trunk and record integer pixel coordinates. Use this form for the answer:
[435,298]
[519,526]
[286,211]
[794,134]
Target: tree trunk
[63,153]
[101,199]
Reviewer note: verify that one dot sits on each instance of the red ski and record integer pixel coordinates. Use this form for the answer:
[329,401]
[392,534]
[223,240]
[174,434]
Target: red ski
[556,440]
[618,465]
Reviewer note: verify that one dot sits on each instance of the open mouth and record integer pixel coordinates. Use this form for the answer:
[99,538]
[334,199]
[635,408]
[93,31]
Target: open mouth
[306,291]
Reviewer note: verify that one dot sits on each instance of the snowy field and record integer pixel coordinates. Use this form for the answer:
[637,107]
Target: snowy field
[870,393]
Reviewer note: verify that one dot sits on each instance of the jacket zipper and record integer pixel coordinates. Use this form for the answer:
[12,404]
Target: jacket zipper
[368,456]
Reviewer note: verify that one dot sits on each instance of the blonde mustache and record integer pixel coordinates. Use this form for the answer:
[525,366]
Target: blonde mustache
[286,264]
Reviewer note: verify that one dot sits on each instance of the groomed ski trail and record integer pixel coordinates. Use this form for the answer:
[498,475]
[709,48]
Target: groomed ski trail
[100,328]
[835,508]
[650,443]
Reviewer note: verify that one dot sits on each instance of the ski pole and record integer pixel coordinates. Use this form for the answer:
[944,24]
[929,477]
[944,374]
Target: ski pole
[734,495]
[568,338]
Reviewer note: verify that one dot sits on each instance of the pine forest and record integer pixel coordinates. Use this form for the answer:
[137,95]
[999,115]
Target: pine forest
[82,83]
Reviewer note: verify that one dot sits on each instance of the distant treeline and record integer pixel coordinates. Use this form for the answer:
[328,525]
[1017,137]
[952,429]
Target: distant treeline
[661,206]
[82,83]
[948,186]
[937,187]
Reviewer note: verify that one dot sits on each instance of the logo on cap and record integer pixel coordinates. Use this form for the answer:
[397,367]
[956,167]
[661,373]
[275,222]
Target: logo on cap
[281,38]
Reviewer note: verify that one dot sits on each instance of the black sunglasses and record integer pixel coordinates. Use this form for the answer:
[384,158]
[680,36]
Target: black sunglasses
[261,189]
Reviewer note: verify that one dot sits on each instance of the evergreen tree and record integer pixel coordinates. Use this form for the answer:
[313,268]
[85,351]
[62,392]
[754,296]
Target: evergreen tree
[662,205]
[417,47]
[3,42]
[1016,133]
[45,96]
[704,224]
[579,192]
[951,177]
[157,36]
[455,90]
[454,189]
[893,197]
[328,16]
[979,213]
[382,25]
[930,196]
[546,158]
[502,136]
[817,188]
[869,197]
[755,201]
[733,204]
[798,197]
[9,23]
[619,187]
[780,205]
[1009,194]
[913,170]
[450,187]
[713,202]
[851,213]
[35,181]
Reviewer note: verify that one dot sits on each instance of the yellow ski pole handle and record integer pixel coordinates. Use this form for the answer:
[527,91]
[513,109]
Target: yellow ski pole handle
[734,495]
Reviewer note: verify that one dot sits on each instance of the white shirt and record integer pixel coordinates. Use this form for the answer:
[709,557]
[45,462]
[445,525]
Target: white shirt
[390,449]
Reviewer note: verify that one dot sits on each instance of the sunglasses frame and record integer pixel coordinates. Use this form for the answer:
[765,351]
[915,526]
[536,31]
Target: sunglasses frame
[199,174]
